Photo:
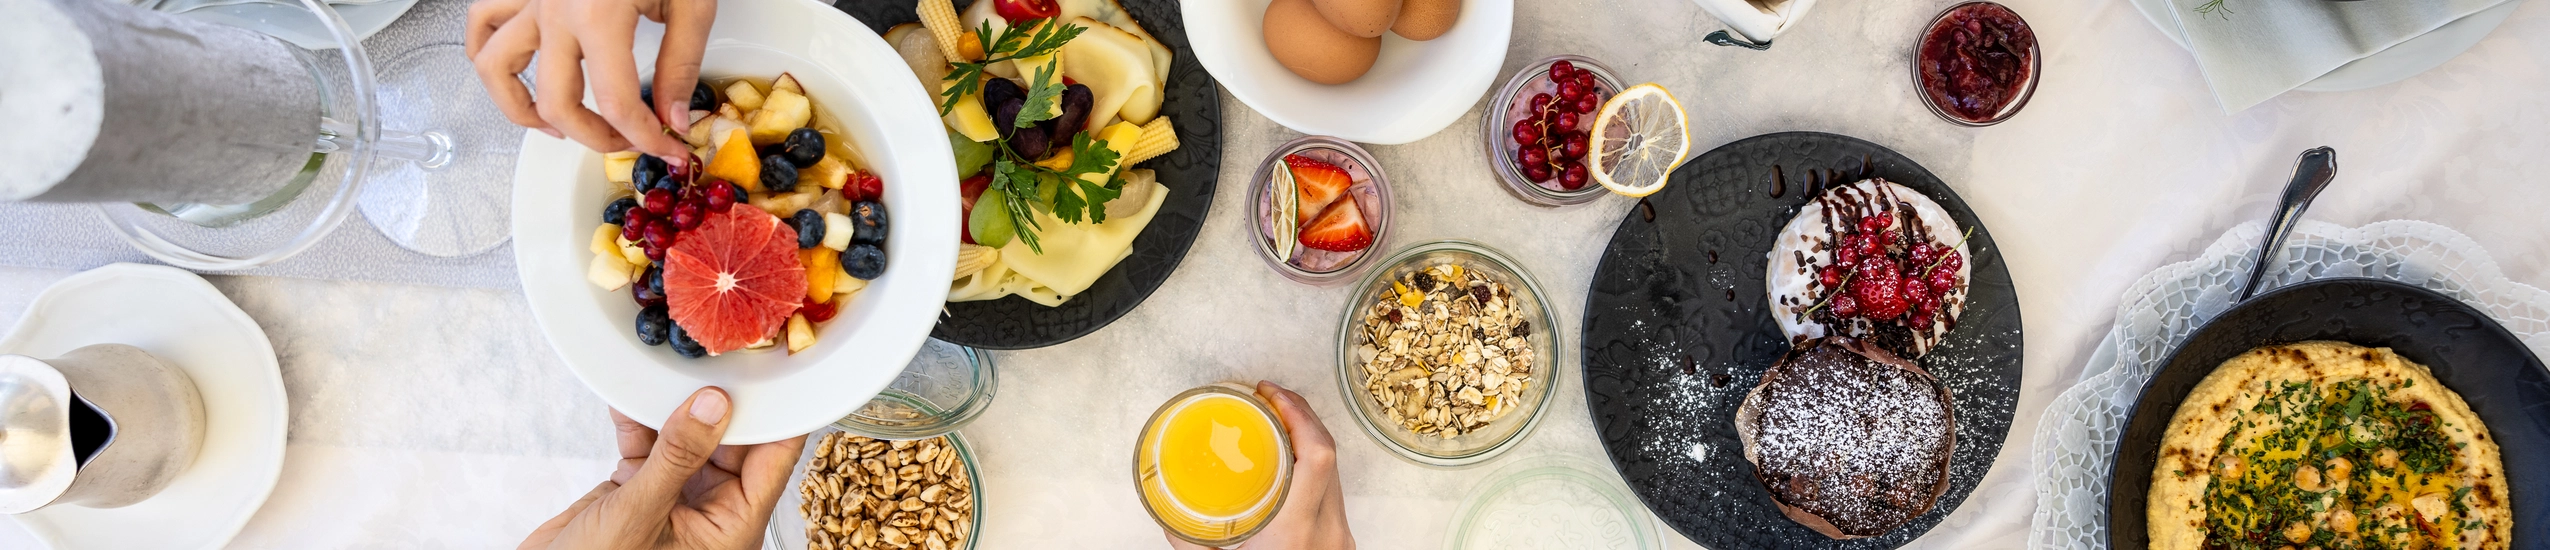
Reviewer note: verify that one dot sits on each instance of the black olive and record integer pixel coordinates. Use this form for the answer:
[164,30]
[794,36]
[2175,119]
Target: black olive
[868,223]
[804,147]
[778,175]
[864,261]
[703,98]
[648,169]
[618,212]
[653,326]
[809,228]
[1076,102]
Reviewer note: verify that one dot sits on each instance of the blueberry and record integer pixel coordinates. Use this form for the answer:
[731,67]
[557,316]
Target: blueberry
[618,212]
[648,290]
[667,183]
[778,175]
[703,98]
[740,196]
[864,261]
[868,218]
[648,169]
[684,345]
[653,326]
[809,228]
[804,147]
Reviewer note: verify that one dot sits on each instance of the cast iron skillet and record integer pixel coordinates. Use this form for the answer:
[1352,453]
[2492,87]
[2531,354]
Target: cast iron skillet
[1193,102]
[1678,329]
[2468,351]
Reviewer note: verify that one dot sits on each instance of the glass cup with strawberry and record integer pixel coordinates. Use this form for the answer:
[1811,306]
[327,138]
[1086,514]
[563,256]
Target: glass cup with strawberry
[1319,205]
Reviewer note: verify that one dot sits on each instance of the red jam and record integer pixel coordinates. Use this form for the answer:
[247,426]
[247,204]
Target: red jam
[1977,60]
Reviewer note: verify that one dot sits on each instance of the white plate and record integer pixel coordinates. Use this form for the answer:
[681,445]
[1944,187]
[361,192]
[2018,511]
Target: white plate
[178,317]
[2403,60]
[1413,91]
[850,73]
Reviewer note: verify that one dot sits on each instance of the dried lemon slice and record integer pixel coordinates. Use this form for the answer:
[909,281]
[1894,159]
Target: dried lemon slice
[1638,138]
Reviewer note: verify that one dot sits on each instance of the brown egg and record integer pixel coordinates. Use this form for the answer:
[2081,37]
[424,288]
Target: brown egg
[1305,43]
[1365,18]
[1426,19]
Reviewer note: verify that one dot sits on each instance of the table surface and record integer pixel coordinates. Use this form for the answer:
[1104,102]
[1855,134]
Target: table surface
[437,417]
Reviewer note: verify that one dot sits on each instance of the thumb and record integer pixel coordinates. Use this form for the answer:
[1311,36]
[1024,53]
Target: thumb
[681,448]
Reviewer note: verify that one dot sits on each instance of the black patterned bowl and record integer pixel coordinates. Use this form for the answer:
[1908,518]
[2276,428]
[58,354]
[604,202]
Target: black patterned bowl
[1194,104]
[1678,329]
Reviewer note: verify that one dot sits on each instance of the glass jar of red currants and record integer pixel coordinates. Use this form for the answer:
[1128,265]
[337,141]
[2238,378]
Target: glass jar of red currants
[1537,131]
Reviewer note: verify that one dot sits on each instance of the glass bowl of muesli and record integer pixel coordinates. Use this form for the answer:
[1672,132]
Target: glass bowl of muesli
[1448,352]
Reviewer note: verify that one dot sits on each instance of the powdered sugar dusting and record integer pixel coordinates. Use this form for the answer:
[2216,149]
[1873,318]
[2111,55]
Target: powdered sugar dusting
[1857,442]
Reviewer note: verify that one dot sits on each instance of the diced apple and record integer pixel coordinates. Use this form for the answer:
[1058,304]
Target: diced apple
[735,162]
[608,271]
[787,82]
[629,249]
[823,266]
[784,205]
[743,95]
[801,334]
[616,166]
[969,118]
[606,238]
[846,287]
[836,232]
[637,271]
[830,173]
[784,111]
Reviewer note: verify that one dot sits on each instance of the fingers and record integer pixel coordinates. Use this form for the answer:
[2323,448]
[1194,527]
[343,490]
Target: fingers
[610,68]
[635,438]
[677,62]
[548,530]
[681,448]
[1312,446]
[560,91]
[1176,543]
[484,17]
[500,62]
[765,473]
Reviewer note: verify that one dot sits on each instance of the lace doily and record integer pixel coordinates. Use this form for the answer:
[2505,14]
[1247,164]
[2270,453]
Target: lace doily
[2076,439]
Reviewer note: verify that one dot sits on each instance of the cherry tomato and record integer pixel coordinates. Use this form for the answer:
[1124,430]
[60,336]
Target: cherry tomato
[1022,10]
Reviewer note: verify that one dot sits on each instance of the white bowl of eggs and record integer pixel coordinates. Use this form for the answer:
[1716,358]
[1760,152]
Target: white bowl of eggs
[1371,71]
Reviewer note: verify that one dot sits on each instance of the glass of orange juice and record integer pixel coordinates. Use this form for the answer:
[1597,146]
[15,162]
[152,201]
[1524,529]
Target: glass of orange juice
[1213,464]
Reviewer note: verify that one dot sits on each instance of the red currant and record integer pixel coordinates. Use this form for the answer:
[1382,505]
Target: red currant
[1566,121]
[1525,131]
[1575,146]
[720,196]
[1536,172]
[1562,70]
[1589,104]
[1830,275]
[635,226]
[1844,306]
[659,202]
[1575,176]
[1533,155]
[689,215]
[659,235]
[1570,92]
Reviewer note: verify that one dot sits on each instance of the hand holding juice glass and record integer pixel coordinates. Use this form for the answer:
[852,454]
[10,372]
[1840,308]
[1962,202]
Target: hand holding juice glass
[1219,464]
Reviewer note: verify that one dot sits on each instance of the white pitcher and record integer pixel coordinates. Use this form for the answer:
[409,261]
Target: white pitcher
[103,426]
[1754,22]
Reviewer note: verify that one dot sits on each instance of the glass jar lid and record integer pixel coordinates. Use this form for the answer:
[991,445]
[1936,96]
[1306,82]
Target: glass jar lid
[944,388]
[1554,502]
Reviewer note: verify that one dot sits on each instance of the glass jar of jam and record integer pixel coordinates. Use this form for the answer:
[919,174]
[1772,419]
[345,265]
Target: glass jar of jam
[1977,64]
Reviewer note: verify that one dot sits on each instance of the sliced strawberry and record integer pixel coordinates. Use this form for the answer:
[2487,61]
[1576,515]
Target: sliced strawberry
[1317,183]
[1339,229]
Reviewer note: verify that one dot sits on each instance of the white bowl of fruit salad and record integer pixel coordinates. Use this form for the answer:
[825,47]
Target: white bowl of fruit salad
[798,263]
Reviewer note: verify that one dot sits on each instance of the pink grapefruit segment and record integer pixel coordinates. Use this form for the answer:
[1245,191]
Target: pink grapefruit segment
[734,280]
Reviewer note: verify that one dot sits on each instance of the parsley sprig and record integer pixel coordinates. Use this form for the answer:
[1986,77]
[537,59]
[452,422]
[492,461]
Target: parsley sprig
[1019,41]
[1027,187]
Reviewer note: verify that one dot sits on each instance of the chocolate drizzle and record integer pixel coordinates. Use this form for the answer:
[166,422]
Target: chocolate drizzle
[1842,207]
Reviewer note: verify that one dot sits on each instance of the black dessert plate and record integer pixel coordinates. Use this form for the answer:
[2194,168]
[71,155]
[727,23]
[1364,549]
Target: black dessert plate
[1678,329]
[2468,351]
[1194,105]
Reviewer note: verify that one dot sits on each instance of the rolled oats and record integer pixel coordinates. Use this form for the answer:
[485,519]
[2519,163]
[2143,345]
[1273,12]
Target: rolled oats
[1445,352]
[867,494]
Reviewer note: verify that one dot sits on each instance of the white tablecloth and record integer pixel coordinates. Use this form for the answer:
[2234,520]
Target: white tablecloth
[436,417]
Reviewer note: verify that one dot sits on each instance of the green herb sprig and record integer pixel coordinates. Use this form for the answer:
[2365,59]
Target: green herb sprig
[1015,42]
[1029,188]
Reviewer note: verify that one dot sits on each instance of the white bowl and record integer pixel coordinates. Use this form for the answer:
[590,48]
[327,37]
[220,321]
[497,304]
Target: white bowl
[1413,91]
[849,72]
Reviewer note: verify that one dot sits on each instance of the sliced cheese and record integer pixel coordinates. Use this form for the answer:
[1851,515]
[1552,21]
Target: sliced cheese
[1077,254]
[1118,70]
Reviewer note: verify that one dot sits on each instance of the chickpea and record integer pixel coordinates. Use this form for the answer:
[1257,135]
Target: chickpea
[2340,471]
[2308,479]
[2298,532]
[2342,521]
[2388,458]
[2229,467]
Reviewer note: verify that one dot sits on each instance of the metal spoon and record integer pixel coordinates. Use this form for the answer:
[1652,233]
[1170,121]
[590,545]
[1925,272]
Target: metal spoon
[1723,38]
[2311,174]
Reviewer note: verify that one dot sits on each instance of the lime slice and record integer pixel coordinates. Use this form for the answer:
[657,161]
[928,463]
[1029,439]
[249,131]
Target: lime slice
[1287,234]
[1638,138]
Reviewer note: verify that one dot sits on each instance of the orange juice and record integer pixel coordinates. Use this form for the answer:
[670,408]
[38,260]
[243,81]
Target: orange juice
[1213,464]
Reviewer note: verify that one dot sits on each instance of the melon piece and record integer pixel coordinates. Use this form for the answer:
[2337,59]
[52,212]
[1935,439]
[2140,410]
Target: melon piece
[735,162]
[735,279]
[801,334]
[823,267]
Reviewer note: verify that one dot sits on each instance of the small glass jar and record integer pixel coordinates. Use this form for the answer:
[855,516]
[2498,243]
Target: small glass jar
[1371,192]
[2018,100]
[944,388]
[1513,103]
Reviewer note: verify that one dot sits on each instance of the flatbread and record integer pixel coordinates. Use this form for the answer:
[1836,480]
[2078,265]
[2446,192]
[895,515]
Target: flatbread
[2327,445]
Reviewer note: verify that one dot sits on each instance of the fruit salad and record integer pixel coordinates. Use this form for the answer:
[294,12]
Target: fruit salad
[755,246]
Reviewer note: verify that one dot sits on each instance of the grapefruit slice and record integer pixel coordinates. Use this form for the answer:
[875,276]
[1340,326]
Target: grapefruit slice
[734,280]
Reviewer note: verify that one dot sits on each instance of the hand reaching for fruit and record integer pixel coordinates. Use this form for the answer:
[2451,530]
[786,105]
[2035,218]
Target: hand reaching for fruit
[575,36]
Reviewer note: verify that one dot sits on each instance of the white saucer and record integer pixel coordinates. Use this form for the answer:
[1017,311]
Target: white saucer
[1413,91]
[178,317]
[2403,60]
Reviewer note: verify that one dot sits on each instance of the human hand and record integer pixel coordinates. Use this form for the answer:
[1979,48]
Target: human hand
[1314,512]
[577,36]
[678,488]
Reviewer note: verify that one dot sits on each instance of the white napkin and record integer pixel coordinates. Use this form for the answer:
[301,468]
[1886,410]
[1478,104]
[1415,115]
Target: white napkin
[1757,20]
[2253,50]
